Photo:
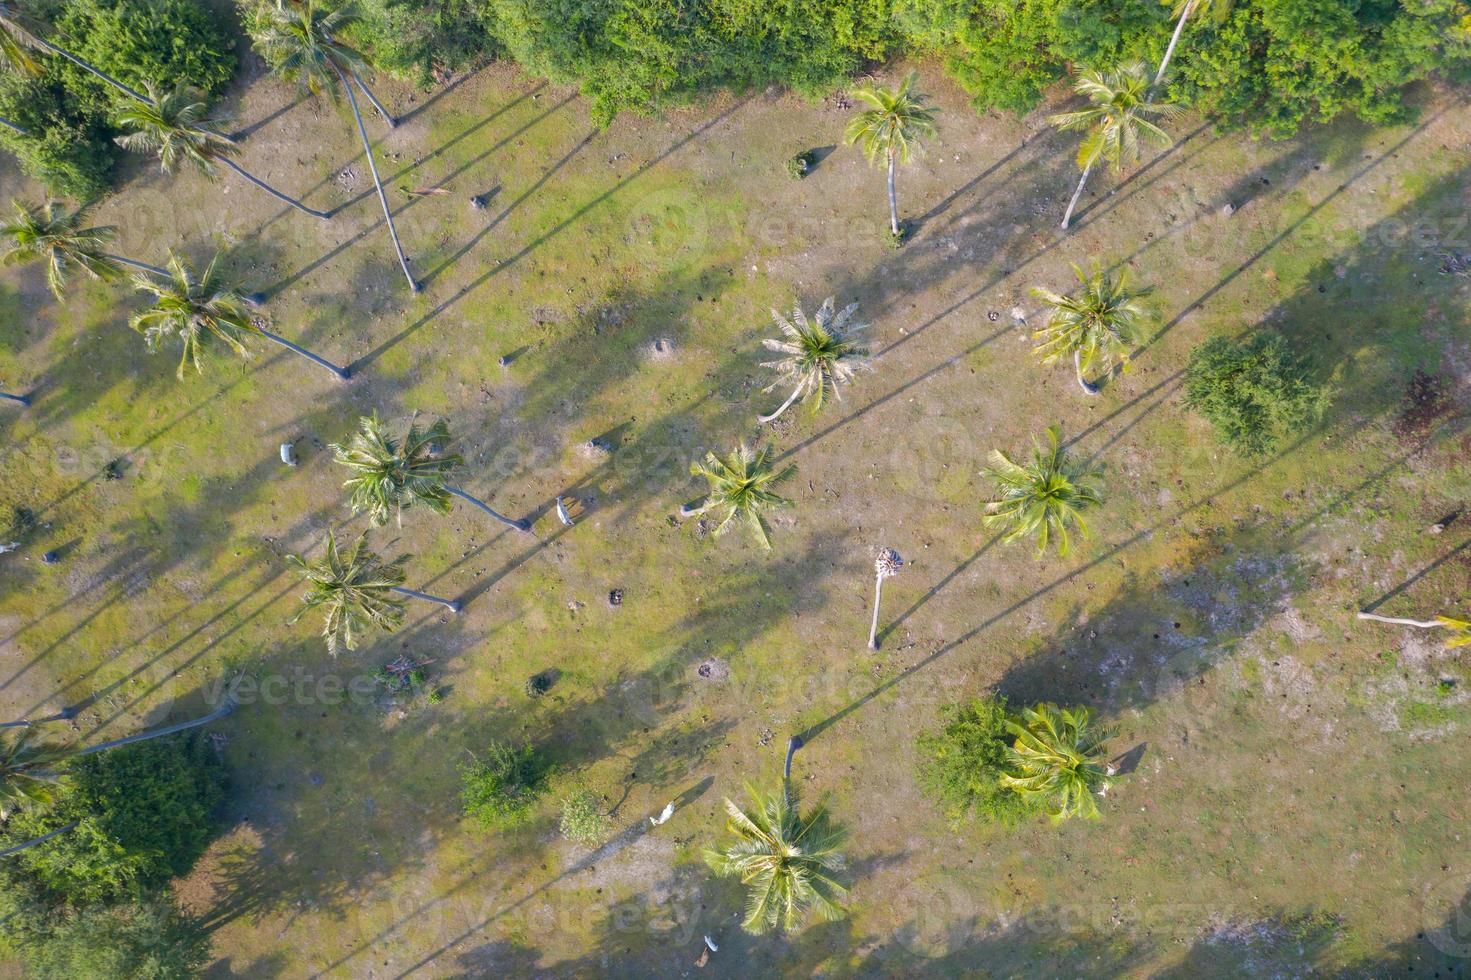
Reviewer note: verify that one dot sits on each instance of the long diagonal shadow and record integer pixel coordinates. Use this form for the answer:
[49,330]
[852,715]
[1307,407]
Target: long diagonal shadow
[1405,585]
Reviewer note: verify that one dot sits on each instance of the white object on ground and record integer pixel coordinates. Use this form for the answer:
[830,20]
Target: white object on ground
[6,549]
[562,514]
[663,817]
[287,455]
[711,943]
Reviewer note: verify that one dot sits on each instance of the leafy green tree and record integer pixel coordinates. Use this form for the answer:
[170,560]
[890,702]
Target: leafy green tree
[584,820]
[963,763]
[175,128]
[58,138]
[1253,392]
[1096,326]
[1044,497]
[391,475]
[196,309]
[1116,123]
[788,862]
[356,591]
[1058,760]
[52,234]
[817,357]
[891,129]
[740,485]
[501,788]
[299,41]
[143,939]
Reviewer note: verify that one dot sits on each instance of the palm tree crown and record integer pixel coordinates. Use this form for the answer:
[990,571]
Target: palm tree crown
[299,41]
[817,357]
[739,488]
[27,770]
[1096,325]
[355,592]
[193,308]
[1044,497]
[787,861]
[1116,120]
[174,128]
[55,234]
[894,123]
[1058,759]
[392,475]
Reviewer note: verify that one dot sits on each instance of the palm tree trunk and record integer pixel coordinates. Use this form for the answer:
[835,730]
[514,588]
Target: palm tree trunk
[88,67]
[271,190]
[224,709]
[65,714]
[518,525]
[342,373]
[352,100]
[142,266]
[873,630]
[387,116]
[17,130]
[1170,51]
[1078,367]
[38,840]
[1068,217]
[784,406]
[793,744]
[18,399]
[450,604]
[1424,624]
[893,199]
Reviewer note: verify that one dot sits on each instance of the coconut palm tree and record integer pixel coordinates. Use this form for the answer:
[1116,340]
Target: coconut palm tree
[1058,759]
[1044,497]
[1184,10]
[739,488]
[298,41]
[1096,326]
[195,308]
[886,565]
[1459,630]
[891,129]
[174,128]
[1116,121]
[355,591]
[788,861]
[817,358]
[55,235]
[391,475]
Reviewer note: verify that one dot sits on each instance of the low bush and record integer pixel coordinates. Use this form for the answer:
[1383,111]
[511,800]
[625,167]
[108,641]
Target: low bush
[146,939]
[962,764]
[583,819]
[501,788]
[167,42]
[66,146]
[1254,392]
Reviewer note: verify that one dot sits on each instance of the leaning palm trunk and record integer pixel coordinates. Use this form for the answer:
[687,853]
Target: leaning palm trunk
[518,525]
[183,726]
[387,116]
[90,68]
[342,373]
[873,629]
[352,100]
[1068,217]
[65,714]
[1424,624]
[38,840]
[18,399]
[152,270]
[271,190]
[450,604]
[893,198]
[1078,367]
[1174,40]
[796,393]
[17,130]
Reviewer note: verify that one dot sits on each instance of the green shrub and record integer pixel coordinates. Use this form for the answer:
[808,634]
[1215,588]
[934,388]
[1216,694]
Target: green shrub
[167,42]
[583,819]
[68,147]
[963,763]
[1254,392]
[417,39]
[148,939]
[144,813]
[500,790]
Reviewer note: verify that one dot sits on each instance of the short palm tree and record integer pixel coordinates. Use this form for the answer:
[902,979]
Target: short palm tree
[788,861]
[391,475]
[1096,326]
[55,235]
[1116,121]
[174,128]
[885,566]
[1044,497]
[355,591]
[740,485]
[1057,759]
[891,129]
[1184,10]
[299,41]
[817,357]
[1458,631]
[197,308]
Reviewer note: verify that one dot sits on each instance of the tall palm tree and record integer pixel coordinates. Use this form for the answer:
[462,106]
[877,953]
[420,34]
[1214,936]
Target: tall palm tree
[1096,326]
[1044,497]
[788,861]
[298,41]
[391,475]
[51,233]
[174,128]
[356,591]
[740,488]
[886,565]
[1459,630]
[1058,759]
[817,357]
[195,308]
[891,129]
[1184,10]
[1115,123]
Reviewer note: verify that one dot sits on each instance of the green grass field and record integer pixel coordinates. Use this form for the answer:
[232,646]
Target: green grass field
[1295,795]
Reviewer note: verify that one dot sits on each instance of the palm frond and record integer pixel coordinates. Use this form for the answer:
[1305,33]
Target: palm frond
[354,592]
[1044,497]
[740,485]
